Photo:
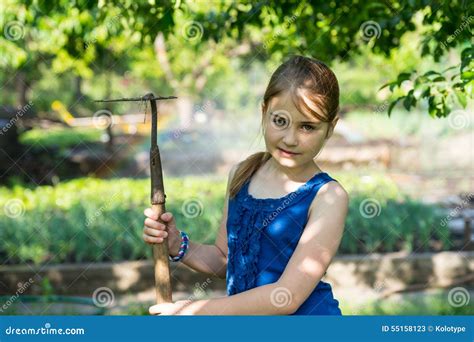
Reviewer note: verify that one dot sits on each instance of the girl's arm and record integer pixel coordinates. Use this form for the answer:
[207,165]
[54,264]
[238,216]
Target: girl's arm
[316,248]
[212,259]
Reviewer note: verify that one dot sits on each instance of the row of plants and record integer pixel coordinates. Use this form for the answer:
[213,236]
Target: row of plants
[90,219]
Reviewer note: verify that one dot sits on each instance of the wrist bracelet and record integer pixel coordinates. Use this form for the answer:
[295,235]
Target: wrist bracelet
[182,249]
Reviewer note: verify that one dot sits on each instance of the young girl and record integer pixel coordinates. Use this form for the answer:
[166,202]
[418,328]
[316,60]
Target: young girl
[283,216]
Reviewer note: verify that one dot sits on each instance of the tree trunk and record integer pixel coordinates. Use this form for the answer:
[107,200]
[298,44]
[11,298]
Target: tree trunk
[78,88]
[22,88]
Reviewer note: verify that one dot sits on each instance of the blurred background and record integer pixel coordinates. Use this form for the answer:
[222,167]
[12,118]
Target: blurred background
[74,173]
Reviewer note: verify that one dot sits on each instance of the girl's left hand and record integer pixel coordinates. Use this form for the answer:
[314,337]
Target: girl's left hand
[175,308]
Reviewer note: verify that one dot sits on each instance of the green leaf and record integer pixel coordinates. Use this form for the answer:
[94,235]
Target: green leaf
[461,98]
[431,72]
[387,84]
[439,79]
[390,107]
[409,100]
[403,77]
[467,75]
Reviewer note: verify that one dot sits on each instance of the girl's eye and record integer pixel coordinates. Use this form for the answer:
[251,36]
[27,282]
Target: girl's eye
[307,128]
[280,121]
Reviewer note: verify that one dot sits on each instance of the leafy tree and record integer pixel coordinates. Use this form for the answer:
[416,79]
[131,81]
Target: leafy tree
[193,40]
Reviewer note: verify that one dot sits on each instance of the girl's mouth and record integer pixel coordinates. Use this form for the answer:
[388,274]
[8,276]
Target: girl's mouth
[286,153]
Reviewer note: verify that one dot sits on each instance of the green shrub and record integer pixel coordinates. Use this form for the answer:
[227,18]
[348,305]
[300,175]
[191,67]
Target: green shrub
[60,137]
[90,219]
[98,220]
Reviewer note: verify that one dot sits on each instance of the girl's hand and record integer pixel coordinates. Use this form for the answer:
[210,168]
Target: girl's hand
[156,232]
[170,308]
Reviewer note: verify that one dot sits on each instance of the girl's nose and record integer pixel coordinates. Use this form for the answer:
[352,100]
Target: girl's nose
[290,138]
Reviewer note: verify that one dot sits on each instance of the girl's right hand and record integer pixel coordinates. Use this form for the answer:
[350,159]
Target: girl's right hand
[156,232]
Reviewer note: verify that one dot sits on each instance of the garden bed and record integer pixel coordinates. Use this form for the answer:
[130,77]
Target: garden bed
[380,273]
[94,220]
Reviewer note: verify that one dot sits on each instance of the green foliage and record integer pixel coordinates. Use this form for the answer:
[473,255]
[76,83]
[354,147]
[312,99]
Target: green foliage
[96,220]
[102,220]
[391,226]
[442,90]
[60,137]
[381,219]
[202,38]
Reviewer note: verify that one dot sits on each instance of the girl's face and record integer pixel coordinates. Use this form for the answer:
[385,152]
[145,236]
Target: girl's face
[292,138]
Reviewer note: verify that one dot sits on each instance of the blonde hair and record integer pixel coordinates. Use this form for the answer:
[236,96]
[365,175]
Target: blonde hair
[297,75]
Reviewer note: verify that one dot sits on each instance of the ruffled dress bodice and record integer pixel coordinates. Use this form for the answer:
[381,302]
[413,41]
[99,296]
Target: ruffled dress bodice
[262,235]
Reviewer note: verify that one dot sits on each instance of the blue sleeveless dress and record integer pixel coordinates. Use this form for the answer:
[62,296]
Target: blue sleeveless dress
[262,235]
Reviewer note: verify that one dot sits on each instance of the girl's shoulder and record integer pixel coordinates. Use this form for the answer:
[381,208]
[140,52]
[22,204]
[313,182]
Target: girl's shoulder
[330,194]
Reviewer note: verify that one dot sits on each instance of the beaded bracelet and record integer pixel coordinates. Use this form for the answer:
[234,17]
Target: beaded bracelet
[182,249]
